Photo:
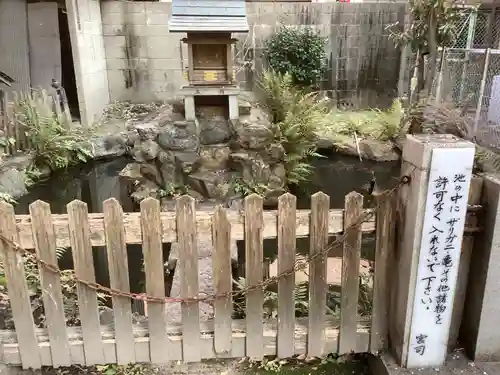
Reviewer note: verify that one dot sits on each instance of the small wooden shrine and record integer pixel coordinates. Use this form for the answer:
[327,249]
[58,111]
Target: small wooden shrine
[209,25]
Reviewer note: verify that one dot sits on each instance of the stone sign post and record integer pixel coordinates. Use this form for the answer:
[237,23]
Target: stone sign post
[432,218]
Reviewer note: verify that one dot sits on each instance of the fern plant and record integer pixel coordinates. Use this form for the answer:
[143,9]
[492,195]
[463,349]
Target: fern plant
[297,117]
[55,144]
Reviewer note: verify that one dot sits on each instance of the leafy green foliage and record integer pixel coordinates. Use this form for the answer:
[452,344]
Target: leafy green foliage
[244,188]
[32,273]
[7,198]
[445,24]
[172,189]
[297,117]
[55,144]
[301,297]
[374,123]
[299,52]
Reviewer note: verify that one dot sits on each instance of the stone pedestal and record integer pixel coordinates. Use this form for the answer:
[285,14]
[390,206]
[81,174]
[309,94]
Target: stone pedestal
[432,209]
[190,92]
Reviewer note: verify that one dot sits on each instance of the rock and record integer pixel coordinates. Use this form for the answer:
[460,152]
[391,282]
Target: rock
[13,182]
[151,172]
[106,147]
[211,184]
[145,190]
[371,149]
[146,131]
[131,173]
[145,150]
[132,137]
[215,157]
[244,107]
[275,151]
[179,136]
[187,162]
[169,169]
[271,197]
[214,130]
[253,136]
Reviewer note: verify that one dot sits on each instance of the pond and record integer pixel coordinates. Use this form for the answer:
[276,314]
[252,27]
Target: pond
[335,175]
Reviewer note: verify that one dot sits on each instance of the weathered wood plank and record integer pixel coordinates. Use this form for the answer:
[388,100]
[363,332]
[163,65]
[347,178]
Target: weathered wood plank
[45,240]
[153,269]
[131,221]
[320,203]
[286,260]
[142,342]
[254,258]
[18,290]
[188,268]
[119,279]
[350,274]
[221,269]
[384,247]
[84,268]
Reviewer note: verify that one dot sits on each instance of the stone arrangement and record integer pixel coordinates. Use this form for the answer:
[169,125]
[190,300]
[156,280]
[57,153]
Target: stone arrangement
[210,158]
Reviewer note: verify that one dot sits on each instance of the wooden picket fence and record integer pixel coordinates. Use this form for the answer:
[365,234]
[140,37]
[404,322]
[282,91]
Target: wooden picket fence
[15,133]
[190,341]
[159,342]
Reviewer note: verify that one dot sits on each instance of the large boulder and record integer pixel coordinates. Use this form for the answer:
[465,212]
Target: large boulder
[371,149]
[215,157]
[179,136]
[214,130]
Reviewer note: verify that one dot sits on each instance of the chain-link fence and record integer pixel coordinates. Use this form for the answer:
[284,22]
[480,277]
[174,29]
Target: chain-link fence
[469,79]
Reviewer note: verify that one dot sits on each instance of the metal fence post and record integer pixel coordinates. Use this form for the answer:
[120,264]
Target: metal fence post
[439,84]
[469,45]
[481,89]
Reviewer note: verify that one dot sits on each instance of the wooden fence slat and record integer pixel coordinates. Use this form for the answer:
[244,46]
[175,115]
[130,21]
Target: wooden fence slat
[350,274]
[286,260]
[320,204]
[222,278]
[18,291]
[45,240]
[254,259]
[153,268]
[168,220]
[384,247]
[188,264]
[79,232]
[119,279]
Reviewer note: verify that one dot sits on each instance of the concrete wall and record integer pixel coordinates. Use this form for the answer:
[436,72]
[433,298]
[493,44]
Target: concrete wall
[144,60]
[85,27]
[14,58]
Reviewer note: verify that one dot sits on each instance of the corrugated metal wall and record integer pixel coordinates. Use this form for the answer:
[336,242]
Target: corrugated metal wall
[14,55]
[44,44]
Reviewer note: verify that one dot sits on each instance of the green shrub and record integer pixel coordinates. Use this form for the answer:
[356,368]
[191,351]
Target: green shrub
[298,51]
[55,144]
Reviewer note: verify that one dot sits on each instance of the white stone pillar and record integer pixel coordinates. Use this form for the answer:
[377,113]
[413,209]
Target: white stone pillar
[432,214]
[189,110]
[233,107]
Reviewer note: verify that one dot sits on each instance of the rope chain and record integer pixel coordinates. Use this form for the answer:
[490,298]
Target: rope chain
[299,264]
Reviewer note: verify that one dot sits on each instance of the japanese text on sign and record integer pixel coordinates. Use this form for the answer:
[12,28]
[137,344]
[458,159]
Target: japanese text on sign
[444,220]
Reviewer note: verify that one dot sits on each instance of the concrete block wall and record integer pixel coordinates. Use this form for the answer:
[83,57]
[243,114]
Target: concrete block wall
[143,59]
[145,62]
[85,23]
